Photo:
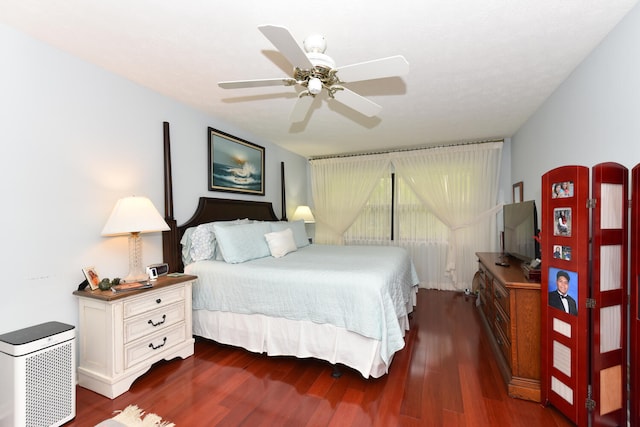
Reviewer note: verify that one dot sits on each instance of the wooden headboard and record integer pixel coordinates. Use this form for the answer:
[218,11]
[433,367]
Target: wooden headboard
[209,209]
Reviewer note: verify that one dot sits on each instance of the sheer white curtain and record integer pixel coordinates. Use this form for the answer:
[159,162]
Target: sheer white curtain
[458,185]
[374,222]
[340,188]
[424,236]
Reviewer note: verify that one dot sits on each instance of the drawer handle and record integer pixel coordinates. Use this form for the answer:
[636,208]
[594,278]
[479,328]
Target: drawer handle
[497,294]
[499,341]
[498,318]
[164,319]
[158,301]
[164,341]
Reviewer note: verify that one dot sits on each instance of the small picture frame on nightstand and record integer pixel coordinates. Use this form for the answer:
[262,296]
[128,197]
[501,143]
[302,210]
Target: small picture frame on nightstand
[92,277]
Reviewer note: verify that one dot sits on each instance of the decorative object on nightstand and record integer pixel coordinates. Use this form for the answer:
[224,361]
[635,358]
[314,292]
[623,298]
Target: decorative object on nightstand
[133,216]
[92,277]
[122,334]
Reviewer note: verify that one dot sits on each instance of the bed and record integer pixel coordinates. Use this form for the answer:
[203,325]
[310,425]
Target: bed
[342,304]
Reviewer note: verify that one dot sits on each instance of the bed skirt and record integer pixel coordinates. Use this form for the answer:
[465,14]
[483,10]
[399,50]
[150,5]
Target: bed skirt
[302,339]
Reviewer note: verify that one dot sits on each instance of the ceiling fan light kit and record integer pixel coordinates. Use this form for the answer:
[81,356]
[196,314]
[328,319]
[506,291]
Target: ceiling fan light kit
[314,86]
[313,70]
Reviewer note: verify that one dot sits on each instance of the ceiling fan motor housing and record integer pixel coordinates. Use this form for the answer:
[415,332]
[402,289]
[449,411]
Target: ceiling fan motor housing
[315,43]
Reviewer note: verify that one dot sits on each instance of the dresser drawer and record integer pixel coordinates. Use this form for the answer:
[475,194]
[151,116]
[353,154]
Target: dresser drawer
[153,300]
[154,345]
[152,321]
[501,296]
[504,344]
[502,322]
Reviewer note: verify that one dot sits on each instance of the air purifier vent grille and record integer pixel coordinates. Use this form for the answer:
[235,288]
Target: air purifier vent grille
[50,388]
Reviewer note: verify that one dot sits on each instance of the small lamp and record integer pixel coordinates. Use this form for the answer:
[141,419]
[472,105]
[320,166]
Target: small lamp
[134,215]
[304,213]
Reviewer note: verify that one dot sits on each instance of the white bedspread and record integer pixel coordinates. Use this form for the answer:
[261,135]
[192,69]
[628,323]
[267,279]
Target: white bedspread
[364,289]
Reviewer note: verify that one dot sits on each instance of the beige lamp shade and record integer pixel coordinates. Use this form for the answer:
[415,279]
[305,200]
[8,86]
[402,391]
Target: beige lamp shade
[304,213]
[134,215]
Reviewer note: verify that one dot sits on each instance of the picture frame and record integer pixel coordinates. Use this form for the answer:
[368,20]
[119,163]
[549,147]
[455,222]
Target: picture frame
[562,189]
[572,290]
[562,252]
[516,192]
[562,219]
[235,165]
[92,277]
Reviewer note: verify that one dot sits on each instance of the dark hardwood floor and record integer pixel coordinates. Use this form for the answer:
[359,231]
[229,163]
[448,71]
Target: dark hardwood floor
[445,376]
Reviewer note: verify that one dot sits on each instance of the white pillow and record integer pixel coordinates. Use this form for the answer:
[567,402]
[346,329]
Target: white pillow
[281,242]
[243,242]
[298,228]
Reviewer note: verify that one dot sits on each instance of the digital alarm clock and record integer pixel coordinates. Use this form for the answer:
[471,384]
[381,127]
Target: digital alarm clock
[162,269]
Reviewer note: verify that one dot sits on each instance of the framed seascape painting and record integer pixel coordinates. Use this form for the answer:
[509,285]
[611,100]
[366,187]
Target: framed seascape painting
[235,165]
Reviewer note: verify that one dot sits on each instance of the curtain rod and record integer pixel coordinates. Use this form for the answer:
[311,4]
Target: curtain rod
[400,150]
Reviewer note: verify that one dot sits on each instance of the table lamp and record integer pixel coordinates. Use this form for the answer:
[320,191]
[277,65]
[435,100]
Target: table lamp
[133,216]
[304,213]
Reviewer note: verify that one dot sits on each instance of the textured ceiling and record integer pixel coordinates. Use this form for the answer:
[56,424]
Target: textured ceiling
[478,69]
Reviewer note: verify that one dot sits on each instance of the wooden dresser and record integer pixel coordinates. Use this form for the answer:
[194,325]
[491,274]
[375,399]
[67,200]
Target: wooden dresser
[510,308]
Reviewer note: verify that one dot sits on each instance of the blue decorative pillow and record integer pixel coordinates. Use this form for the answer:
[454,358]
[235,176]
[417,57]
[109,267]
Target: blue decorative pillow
[298,228]
[244,242]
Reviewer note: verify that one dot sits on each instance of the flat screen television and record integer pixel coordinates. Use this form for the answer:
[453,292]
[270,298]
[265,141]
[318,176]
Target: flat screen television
[520,227]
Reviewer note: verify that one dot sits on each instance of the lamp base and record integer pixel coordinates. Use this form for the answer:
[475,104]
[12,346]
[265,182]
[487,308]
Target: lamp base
[136,272]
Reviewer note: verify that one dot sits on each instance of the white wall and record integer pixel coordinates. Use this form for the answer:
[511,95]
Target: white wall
[76,138]
[593,117]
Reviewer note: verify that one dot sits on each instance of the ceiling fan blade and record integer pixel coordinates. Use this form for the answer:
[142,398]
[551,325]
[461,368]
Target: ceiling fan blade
[282,39]
[238,84]
[300,110]
[376,69]
[357,102]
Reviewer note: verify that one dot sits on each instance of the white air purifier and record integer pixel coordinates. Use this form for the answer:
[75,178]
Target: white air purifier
[37,367]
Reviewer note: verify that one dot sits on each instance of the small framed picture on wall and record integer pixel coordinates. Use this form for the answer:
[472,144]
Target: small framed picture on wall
[516,192]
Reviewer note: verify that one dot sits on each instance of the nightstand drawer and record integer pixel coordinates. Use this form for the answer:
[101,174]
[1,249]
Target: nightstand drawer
[152,301]
[154,345]
[152,321]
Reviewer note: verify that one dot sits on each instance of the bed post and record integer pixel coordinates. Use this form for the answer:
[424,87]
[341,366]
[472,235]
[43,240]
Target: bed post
[169,238]
[283,196]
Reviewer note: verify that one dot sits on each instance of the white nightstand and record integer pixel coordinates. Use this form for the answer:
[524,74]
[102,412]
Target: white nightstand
[122,334]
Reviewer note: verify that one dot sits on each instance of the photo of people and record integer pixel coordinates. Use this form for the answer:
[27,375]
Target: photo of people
[562,252]
[92,277]
[562,219]
[562,189]
[563,290]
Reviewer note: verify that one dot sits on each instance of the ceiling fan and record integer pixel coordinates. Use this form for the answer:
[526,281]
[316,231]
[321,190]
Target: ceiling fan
[315,71]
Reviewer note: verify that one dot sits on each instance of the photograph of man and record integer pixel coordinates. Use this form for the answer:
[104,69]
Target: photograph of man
[559,297]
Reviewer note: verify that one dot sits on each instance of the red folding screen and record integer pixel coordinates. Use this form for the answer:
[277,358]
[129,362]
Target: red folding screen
[584,249]
[565,258]
[634,303]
